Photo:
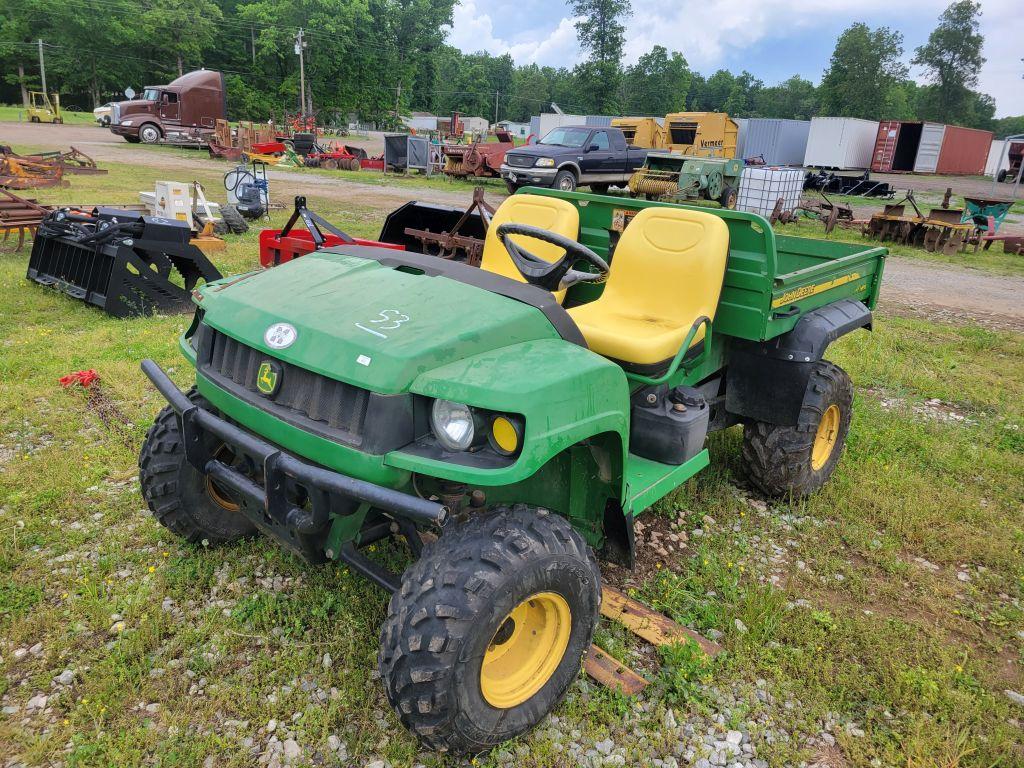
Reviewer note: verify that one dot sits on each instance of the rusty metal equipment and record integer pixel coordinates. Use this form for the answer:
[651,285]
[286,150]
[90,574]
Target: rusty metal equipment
[480,159]
[74,160]
[21,215]
[463,241]
[830,214]
[942,230]
[23,173]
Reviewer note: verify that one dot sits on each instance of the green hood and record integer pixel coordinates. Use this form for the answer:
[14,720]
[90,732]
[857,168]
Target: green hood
[368,324]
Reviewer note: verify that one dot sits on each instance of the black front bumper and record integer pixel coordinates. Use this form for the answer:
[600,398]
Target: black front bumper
[272,506]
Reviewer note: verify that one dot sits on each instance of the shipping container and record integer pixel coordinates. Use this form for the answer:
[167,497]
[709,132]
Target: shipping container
[549,121]
[781,142]
[928,147]
[896,146]
[997,158]
[843,143]
[598,121]
[964,151]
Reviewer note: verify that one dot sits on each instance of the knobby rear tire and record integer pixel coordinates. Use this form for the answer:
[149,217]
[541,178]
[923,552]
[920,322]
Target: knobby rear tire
[778,458]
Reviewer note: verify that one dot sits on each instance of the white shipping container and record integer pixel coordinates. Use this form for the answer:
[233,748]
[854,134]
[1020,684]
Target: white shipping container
[761,188]
[549,121]
[928,150]
[844,143]
[998,158]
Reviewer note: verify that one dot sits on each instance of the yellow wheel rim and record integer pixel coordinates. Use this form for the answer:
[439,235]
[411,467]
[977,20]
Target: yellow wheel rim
[525,650]
[825,439]
[215,492]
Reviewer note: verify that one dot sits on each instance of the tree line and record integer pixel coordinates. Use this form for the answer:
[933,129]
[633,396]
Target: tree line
[367,59]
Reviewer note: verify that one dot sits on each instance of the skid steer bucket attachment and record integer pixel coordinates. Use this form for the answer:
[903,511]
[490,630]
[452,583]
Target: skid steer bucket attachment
[127,264]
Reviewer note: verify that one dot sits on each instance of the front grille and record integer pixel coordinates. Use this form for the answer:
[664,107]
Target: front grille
[338,406]
[520,161]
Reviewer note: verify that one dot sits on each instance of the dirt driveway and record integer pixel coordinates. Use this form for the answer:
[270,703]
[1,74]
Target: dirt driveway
[953,293]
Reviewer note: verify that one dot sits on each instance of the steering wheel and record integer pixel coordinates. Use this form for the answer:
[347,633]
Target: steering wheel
[557,275]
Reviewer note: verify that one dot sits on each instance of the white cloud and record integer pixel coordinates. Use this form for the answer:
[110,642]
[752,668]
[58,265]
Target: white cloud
[473,30]
[715,33]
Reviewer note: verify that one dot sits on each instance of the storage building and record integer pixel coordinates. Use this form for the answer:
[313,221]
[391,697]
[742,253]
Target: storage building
[781,142]
[420,121]
[474,124]
[519,130]
[844,143]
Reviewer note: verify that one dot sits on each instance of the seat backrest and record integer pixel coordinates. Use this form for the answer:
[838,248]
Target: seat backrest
[550,213]
[669,264]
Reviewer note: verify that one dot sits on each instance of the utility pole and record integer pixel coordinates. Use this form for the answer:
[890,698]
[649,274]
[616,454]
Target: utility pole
[398,100]
[252,36]
[300,47]
[495,107]
[42,64]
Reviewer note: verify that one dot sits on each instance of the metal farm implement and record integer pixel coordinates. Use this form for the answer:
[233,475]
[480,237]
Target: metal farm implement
[477,159]
[119,260]
[942,230]
[21,215]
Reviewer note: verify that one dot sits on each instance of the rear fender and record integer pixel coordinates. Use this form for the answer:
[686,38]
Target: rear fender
[766,381]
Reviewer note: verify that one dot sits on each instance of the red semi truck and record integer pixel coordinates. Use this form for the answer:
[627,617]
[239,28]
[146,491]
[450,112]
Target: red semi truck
[191,104]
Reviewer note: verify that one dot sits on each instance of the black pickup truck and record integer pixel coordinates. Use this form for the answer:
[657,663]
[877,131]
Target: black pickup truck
[573,156]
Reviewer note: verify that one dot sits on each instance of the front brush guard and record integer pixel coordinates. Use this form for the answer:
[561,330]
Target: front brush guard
[270,507]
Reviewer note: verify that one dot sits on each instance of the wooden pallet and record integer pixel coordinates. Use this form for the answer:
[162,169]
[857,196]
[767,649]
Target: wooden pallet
[644,622]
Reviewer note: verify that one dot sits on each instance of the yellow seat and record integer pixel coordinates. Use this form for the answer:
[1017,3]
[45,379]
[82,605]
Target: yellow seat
[666,272]
[550,213]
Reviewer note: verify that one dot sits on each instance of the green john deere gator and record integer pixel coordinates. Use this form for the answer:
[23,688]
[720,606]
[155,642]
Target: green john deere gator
[508,421]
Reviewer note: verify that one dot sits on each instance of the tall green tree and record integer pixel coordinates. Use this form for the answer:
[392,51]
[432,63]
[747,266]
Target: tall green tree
[793,99]
[951,60]
[602,34]
[657,84]
[865,66]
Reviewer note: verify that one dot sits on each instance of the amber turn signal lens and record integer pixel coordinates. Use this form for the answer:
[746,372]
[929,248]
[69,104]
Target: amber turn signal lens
[506,435]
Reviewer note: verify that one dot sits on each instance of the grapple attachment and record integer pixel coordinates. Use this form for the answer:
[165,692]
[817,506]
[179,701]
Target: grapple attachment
[121,261]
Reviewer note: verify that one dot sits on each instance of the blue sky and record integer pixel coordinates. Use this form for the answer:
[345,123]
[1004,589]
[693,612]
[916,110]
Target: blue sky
[773,39]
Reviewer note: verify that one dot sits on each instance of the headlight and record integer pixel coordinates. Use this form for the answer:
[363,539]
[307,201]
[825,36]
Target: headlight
[452,424]
[545,162]
[126,122]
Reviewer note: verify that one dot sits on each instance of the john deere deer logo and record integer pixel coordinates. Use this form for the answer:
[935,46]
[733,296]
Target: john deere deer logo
[268,377]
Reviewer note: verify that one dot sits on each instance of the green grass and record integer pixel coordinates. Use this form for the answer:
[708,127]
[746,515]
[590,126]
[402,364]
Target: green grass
[71,117]
[226,639]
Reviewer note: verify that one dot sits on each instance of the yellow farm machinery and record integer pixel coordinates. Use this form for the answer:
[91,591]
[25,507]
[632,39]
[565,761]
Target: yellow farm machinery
[642,132]
[44,108]
[705,134]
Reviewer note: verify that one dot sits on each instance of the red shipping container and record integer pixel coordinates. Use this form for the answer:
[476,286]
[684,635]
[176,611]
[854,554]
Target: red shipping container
[964,151]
